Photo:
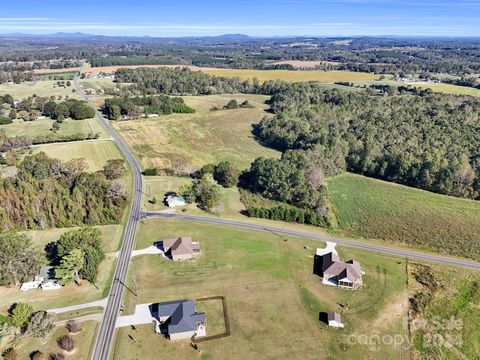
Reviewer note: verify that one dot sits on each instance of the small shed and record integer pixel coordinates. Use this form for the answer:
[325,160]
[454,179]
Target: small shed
[334,320]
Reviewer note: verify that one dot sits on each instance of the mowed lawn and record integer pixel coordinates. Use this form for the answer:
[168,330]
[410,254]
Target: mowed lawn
[96,153]
[273,297]
[83,343]
[44,126]
[39,88]
[185,142]
[377,209]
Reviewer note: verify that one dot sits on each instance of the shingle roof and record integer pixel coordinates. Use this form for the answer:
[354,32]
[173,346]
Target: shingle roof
[182,314]
[350,270]
[179,246]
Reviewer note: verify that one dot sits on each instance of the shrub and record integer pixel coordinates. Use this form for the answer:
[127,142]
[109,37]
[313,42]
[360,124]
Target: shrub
[66,342]
[10,354]
[57,356]
[5,121]
[150,172]
[37,355]
[73,326]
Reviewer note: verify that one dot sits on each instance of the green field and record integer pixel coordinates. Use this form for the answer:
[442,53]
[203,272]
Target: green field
[184,142]
[96,152]
[292,76]
[83,340]
[44,126]
[265,279]
[40,88]
[377,209]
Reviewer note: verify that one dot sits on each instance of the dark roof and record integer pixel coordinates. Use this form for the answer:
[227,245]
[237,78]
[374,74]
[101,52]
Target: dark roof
[333,316]
[182,314]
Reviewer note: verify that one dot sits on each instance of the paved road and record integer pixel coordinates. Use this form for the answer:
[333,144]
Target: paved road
[411,254]
[106,332]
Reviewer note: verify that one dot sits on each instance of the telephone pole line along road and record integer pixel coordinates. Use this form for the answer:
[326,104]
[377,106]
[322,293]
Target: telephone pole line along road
[106,332]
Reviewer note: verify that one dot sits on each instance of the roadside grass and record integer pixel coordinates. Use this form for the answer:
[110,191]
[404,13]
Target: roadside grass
[78,313]
[39,88]
[452,317]
[185,142]
[84,343]
[263,276]
[95,153]
[44,126]
[376,209]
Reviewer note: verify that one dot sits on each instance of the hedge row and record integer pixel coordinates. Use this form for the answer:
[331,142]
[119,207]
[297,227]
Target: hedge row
[289,214]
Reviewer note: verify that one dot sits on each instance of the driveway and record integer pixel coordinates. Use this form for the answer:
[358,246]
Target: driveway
[142,316]
[101,303]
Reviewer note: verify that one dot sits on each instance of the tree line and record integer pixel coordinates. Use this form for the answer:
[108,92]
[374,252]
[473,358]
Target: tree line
[429,141]
[50,193]
[135,107]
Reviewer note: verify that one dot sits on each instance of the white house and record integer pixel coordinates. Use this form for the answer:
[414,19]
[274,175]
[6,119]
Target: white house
[44,280]
[173,201]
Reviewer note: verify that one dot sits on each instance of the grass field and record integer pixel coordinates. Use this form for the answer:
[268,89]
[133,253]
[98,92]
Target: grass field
[40,88]
[111,235]
[261,75]
[185,142]
[44,126]
[83,340]
[439,88]
[265,279]
[157,186]
[376,209]
[292,76]
[96,153]
[455,304]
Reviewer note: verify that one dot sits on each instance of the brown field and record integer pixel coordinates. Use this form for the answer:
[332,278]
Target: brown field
[56,71]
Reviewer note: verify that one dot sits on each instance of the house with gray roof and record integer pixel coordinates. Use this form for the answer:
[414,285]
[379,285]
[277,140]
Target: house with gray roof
[182,248]
[179,320]
[343,274]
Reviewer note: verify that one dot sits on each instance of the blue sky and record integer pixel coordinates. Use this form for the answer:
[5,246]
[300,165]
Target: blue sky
[251,17]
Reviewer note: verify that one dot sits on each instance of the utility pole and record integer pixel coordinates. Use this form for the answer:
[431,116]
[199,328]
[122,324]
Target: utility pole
[134,280]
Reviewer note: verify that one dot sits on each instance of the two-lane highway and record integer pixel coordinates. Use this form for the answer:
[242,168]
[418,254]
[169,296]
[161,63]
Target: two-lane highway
[409,253]
[106,332]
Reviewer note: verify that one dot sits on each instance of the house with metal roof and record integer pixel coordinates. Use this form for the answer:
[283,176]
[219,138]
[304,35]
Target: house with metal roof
[182,248]
[179,320]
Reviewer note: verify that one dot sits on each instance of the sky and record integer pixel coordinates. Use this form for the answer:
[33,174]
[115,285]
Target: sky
[250,17]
